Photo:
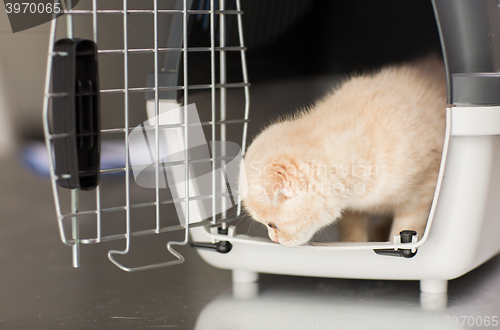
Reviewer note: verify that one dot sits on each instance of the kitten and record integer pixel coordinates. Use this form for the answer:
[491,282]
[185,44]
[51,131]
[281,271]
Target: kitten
[372,146]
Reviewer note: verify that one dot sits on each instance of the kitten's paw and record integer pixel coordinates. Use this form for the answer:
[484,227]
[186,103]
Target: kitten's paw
[355,237]
[353,227]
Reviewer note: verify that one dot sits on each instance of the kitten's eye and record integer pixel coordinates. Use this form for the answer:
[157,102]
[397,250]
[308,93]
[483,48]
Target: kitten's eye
[272,225]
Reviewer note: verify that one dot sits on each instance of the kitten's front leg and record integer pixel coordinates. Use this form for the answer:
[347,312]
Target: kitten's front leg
[353,227]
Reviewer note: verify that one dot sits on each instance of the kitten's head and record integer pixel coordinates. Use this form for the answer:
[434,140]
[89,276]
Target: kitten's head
[282,193]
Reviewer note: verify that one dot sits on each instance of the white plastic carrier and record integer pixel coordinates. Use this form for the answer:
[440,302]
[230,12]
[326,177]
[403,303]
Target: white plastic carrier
[462,230]
[464,221]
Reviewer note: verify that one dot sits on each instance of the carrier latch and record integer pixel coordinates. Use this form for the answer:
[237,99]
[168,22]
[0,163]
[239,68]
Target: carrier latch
[406,236]
[220,246]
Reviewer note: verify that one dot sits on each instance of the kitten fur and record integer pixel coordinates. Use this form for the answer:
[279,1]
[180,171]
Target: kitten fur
[372,146]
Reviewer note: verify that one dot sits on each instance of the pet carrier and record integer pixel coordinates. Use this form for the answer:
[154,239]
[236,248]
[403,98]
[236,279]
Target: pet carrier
[462,227]
[78,142]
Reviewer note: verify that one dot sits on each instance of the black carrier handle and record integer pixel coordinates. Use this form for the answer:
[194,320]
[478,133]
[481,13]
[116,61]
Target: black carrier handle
[76,113]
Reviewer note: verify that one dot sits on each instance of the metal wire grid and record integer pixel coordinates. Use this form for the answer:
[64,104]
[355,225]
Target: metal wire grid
[75,214]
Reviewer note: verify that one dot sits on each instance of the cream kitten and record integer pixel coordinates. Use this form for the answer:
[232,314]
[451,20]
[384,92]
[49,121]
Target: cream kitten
[373,146]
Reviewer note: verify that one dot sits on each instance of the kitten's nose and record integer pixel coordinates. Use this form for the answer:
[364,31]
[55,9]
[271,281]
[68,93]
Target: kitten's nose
[276,240]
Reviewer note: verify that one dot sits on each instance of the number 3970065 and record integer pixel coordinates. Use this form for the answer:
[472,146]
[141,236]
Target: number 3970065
[32,8]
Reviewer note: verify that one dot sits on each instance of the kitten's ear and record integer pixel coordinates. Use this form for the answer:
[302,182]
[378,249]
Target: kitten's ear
[242,180]
[281,181]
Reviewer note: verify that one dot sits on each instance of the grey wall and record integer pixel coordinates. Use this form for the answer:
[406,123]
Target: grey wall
[22,74]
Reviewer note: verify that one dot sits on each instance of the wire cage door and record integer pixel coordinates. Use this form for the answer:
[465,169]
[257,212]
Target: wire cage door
[128,150]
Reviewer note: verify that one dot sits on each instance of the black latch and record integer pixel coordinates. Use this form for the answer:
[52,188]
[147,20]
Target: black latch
[406,237]
[221,246]
[76,113]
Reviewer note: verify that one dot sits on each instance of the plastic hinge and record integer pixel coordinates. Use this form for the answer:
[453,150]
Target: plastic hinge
[406,236]
[221,246]
[76,113]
